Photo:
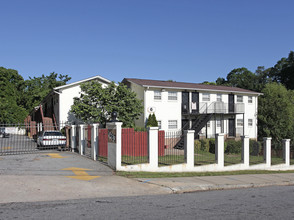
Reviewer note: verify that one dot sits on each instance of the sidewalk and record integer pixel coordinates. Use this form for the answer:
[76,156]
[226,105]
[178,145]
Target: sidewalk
[193,184]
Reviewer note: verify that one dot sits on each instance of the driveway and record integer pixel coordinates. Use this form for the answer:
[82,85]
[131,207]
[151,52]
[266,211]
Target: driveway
[57,175]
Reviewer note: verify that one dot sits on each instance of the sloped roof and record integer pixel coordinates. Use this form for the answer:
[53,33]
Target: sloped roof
[82,81]
[185,85]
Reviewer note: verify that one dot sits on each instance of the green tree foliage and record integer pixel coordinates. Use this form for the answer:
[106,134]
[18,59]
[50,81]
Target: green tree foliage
[152,121]
[11,95]
[97,103]
[276,112]
[283,71]
[37,88]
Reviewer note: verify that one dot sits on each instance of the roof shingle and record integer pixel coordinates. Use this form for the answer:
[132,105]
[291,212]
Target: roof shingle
[184,85]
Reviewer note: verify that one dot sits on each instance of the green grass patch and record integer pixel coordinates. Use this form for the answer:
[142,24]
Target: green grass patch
[191,174]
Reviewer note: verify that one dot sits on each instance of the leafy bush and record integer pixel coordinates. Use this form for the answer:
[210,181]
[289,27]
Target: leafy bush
[197,146]
[151,121]
[204,145]
[255,147]
[212,145]
[233,147]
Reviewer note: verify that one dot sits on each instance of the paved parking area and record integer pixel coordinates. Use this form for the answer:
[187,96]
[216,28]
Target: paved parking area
[57,175]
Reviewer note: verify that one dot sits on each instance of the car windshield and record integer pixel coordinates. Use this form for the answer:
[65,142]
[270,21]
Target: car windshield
[53,133]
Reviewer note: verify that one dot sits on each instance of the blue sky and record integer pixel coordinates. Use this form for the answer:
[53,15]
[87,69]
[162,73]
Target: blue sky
[184,40]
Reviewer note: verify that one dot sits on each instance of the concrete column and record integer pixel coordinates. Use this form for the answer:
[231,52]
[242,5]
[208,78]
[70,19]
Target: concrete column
[73,138]
[219,150]
[245,150]
[267,151]
[114,145]
[189,148]
[82,144]
[153,146]
[286,151]
[94,141]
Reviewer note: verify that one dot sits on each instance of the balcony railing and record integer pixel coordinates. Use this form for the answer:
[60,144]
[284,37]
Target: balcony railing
[218,108]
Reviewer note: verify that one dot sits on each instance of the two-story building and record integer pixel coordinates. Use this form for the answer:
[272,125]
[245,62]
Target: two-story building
[207,109]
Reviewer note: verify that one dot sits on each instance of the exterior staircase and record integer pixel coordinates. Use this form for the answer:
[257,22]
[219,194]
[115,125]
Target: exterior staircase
[197,125]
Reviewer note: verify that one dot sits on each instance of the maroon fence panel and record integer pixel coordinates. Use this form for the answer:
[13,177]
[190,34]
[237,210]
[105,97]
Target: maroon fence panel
[161,135]
[141,148]
[102,142]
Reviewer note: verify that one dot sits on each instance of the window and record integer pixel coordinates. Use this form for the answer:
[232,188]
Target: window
[172,96]
[218,123]
[205,97]
[239,122]
[157,95]
[239,98]
[250,122]
[208,124]
[159,124]
[250,100]
[172,124]
[218,97]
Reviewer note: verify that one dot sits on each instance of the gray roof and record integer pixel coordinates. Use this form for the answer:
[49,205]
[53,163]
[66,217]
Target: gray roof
[185,85]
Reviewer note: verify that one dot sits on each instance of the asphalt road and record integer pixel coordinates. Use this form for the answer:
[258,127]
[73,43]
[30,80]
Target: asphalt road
[253,203]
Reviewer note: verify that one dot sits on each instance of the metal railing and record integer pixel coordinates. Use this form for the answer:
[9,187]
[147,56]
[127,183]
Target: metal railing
[219,108]
[33,138]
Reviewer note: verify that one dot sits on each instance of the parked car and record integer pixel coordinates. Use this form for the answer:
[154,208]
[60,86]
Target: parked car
[51,139]
[3,134]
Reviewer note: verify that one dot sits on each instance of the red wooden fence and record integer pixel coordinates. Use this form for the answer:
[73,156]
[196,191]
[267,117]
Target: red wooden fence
[134,143]
[102,142]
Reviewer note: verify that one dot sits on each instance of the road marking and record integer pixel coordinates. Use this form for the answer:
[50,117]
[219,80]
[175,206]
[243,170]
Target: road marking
[80,173]
[55,155]
[6,148]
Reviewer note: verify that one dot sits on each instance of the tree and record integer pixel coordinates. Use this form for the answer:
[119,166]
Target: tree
[283,71]
[37,88]
[11,96]
[151,121]
[97,103]
[276,112]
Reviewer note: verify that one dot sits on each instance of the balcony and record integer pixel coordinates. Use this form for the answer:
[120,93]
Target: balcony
[216,108]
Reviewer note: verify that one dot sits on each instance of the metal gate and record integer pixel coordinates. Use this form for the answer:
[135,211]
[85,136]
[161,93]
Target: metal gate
[33,138]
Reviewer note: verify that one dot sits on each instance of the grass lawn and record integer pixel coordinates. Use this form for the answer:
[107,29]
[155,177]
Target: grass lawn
[191,174]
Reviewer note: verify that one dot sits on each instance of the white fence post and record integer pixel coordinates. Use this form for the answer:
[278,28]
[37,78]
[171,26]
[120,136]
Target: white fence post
[114,145]
[245,150]
[82,139]
[267,150]
[189,148]
[153,146]
[73,138]
[94,141]
[219,150]
[286,151]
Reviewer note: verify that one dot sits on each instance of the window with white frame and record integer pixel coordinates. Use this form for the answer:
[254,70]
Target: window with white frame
[218,123]
[239,98]
[172,96]
[250,99]
[205,97]
[250,122]
[157,95]
[239,122]
[159,124]
[208,124]
[172,124]
[218,97]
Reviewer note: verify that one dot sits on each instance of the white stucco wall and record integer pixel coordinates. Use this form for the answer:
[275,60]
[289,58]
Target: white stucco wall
[165,109]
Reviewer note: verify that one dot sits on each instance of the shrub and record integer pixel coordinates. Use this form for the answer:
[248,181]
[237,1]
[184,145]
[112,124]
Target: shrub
[197,146]
[204,145]
[212,145]
[254,147]
[233,147]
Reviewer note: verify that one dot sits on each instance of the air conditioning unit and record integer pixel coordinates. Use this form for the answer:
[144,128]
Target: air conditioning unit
[151,109]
